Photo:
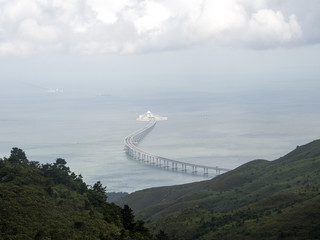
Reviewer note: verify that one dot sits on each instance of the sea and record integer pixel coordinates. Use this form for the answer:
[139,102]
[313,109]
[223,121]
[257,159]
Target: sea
[225,124]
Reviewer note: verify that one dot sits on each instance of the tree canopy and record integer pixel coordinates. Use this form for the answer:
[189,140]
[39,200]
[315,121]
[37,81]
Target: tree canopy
[48,201]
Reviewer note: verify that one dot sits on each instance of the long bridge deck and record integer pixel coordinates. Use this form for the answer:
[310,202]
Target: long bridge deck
[135,152]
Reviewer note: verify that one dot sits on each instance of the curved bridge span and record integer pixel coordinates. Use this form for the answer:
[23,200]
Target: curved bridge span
[135,152]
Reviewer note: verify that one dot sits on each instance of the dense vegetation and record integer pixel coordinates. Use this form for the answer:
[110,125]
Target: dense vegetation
[48,201]
[277,199]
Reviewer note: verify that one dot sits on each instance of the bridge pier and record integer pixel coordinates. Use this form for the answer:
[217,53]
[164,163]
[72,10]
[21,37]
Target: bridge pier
[166,164]
[194,169]
[174,166]
[184,167]
[205,171]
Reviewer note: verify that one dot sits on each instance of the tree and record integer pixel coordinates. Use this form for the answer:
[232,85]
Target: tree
[99,188]
[61,164]
[139,227]
[128,218]
[34,164]
[162,236]
[17,156]
[97,194]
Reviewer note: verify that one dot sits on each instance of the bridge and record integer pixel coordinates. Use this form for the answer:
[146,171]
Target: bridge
[133,151]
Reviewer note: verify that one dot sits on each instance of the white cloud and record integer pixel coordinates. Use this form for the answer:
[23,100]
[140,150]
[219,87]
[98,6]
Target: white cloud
[108,10]
[151,16]
[32,31]
[267,27]
[129,26]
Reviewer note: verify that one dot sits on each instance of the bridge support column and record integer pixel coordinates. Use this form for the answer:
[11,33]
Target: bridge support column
[194,169]
[205,171]
[174,166]
[184,167]
[166,164]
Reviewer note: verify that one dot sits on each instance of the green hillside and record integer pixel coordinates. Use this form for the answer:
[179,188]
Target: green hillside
[258,200]
[50,202]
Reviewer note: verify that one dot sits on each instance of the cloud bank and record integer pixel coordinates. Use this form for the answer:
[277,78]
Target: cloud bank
[135,26]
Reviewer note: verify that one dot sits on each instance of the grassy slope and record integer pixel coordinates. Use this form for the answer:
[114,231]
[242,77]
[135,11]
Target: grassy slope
[259,199]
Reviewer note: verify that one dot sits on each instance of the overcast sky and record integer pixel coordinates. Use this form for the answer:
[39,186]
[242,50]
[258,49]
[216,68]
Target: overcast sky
[55,42]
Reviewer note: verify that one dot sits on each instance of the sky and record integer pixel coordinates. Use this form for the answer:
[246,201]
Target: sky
[135,26]
[107,38]
[120,45]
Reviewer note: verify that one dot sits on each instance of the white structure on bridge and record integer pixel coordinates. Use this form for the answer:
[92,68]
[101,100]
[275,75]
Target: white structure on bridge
[134,152]
[149,116]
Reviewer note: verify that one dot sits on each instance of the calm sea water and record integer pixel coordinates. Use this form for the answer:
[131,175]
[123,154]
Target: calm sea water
[209,127]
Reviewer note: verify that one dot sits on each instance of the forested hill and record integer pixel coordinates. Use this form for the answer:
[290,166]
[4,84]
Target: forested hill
[262,199]
[48,201]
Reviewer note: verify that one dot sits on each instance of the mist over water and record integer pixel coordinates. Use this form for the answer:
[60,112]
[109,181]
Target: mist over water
[221,124]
